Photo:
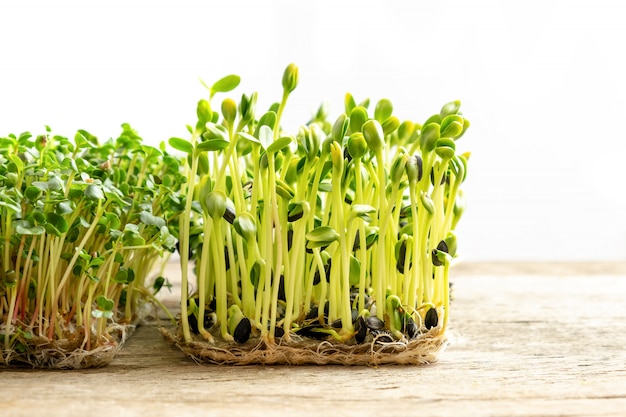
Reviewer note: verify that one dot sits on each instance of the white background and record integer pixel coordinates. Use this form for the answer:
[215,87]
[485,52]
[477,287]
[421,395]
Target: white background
[543,83]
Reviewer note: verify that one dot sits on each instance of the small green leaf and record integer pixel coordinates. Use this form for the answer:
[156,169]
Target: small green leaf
[279,144]
[226,84]
[216,204]
[215,131]
[390,125]
[284,190]
[268,119]
[245,225]
[248,137]
[358,116]
[429,137]
[349,103]
[212,145]
[445,148]
[451,126]
[32,192]
[383,110]
[121,277]
[321,236]
[17,161]
[33,230]
[266,136]
[363,211]
[181,145]
[229,110]
[452,107]
[151,220]
[64,207]
[58,222]
[94,192]
[340,128]
[290,78]
[355,270]
[104,303]
[373,133]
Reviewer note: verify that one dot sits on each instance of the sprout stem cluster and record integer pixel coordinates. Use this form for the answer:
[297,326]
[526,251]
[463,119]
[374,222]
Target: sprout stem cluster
[82,224]
[343,230]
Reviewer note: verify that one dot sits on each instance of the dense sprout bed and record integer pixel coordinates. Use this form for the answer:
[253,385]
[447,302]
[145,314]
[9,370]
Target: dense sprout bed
[329,245]
[82,226]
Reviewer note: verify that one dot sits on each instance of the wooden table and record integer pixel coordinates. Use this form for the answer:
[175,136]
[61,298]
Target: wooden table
[527,340]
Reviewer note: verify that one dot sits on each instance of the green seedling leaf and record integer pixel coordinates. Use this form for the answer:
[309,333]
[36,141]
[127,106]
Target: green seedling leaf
[151,220]
[215,131]
[255,274]
[445,148]
[363,211]
[167,240]
[225,84]
[466,125]
[94,192]
[19,164]
[23,228]
[104,303]
[452,126]
[279,144]
[349,103]
[131,236]
[181,145]
[216,202]
[248,137]
[59,223]
[358,116]
[406,130]
[340,128]
[204,114]
[268,119]
[355,270]
[452,107]
[414,169]
[121,277]
[266,136]
[32,192]
[64,207]
[212,145]
[10,204]
[84,139]
[229,110]
[284,190]
[383,110]
[430,136]
[290,78]
[450,244]
[297,210]
[55,184]
[245,225]
[357,146]
[427,203]
[398,168]
[321,236]
[161,282]
[390,125]
[374,136]
[247,107]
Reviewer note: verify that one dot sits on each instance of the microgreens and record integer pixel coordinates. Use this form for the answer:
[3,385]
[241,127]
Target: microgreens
[82,225]
[344,230]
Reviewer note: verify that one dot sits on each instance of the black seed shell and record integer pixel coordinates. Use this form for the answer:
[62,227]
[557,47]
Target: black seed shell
[242,331]
[432,318]
[374,323]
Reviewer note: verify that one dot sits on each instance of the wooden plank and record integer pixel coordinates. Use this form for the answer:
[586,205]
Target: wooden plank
[531,345]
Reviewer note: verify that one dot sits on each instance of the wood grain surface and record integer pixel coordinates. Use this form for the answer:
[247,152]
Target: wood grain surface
[523,343]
